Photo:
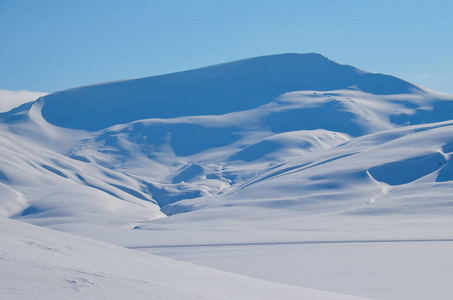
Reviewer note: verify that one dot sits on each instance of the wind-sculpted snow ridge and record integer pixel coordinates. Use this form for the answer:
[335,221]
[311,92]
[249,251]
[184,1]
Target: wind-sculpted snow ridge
[38,263]
[400,176]
[12,99]
[52,189]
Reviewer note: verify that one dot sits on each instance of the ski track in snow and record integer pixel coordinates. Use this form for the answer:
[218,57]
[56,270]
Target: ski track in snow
[296,243]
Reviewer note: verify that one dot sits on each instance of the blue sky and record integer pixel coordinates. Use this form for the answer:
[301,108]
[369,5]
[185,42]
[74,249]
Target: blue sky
[53,45]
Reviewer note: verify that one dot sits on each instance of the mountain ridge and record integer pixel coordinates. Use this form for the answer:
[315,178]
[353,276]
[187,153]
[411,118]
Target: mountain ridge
[212,90]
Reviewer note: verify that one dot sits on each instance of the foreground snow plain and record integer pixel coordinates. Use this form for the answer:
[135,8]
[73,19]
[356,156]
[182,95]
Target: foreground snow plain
[379,269]
[37,263]
[279,159]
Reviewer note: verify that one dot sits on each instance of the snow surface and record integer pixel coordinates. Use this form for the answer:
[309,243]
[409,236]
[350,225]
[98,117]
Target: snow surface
[381,270]
[281,149]
[37,263]
[11,99]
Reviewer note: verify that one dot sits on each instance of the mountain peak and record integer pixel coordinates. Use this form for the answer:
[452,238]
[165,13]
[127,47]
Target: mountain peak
[219,89]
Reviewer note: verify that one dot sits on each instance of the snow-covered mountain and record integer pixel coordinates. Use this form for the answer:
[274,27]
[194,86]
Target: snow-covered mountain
[275,149]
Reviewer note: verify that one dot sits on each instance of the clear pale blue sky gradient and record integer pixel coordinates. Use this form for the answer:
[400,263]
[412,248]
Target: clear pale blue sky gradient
[53,45]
